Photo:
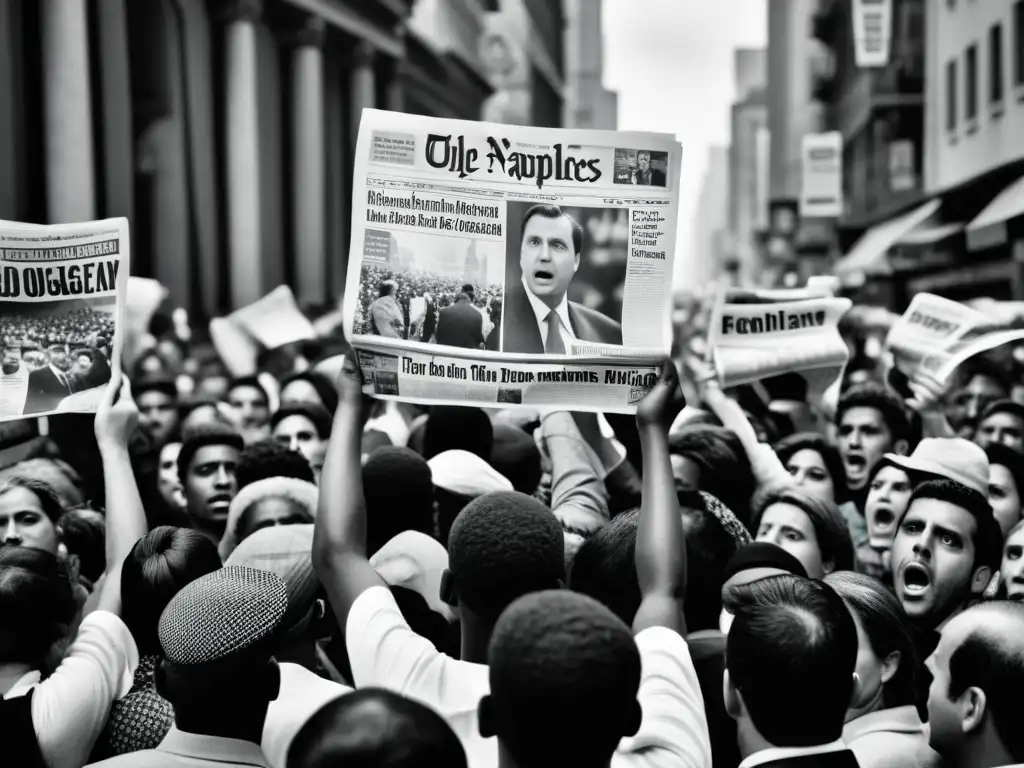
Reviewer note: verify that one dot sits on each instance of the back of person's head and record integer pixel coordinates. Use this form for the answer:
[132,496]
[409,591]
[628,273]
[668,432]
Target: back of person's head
[790,658]
[265,459]
[454,427]
[374,728]
[515,455]
[82,531]
[201,436]
[830,528]
[37,603]
[604,567]
[161,563]
[399,495]
[988,537]
[501,546]
[560,663]
[873,395]
[986,675]
[887,628]
[725,470]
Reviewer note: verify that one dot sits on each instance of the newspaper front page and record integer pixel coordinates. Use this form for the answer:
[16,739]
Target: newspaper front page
[757,335]
[936,334]
[497,264]
[62,297]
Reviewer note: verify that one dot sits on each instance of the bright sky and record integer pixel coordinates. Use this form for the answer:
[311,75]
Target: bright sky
[671,62]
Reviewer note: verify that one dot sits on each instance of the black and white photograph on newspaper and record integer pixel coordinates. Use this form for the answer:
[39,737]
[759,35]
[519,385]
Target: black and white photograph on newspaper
[642,167]
[434,289]
[565,269]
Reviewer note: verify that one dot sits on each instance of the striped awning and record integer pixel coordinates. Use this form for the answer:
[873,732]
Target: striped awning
[874,244]
[988,229]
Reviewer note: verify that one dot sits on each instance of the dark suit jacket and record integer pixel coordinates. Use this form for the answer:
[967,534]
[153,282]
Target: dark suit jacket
[44,391]
[460,325]
[842,759]
[707,649]
[522,334]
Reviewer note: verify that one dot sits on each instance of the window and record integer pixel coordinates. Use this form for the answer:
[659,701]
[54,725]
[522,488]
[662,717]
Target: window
[1018,43]
[995,64]
[951,95]
[971,83]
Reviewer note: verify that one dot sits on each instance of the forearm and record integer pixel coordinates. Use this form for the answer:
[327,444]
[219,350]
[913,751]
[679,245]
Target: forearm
[125,513]
[660,543]
[577,482]
[341,509]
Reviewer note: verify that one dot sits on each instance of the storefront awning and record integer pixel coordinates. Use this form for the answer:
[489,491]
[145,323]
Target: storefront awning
[925,235]
[988,230]
[876,242]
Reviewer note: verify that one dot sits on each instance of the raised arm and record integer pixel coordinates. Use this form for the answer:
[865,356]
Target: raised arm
[578,496]
[116,419]
[660,542]
[339,538]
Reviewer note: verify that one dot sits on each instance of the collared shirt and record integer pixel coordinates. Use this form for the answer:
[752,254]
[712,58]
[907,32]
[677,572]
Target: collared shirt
[13,392]
[180,749]
[890,738]
[61,376]
[772,754]
[541,312]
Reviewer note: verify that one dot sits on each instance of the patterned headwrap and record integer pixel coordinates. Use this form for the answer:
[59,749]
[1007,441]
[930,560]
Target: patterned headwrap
[729,521]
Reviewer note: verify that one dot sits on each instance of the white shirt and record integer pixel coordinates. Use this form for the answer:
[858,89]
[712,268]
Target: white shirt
[542,310]
[385,652]
[782,753]
[69,708]
[13,393]
[301,696]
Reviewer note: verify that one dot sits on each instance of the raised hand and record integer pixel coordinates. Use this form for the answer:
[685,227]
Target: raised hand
[117,414]
[665,400]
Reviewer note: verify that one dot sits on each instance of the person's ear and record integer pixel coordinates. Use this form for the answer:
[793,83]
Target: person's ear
[828,567]
[731,697]
[576,263]
[448,596]
[979,581]
[890,665]
[972,704]
[271,680]
[900,447]
[485,718]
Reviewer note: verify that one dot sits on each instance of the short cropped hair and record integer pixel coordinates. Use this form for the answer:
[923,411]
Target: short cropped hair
[375,727]
[873,395]
[158,566]
[504,545]
[994,662]
[791,654]
[725,470]
[988,538]
[252,382]
[1007,457]
[267,458]
[202,436]
[387,287]
[888,629]
[787,447]
[830,528]
[554,212]
[559,663]
[399,492]
[604,567]
[458,427]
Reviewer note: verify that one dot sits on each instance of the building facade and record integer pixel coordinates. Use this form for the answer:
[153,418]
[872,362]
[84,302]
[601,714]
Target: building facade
[748,204]
[225,129]
[588,104]
[710,252]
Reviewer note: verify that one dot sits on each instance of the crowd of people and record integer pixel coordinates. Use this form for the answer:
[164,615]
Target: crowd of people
[84,327]
[386,299]
[276,570]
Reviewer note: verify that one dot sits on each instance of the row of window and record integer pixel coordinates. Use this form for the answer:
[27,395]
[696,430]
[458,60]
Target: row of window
[996,81]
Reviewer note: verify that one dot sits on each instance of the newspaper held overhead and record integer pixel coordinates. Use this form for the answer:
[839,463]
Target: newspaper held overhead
[502,264]
[62,303]
[937,335]
[757,335]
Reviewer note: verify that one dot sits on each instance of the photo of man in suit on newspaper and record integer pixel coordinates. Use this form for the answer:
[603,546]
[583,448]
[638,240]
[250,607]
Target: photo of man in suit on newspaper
[538,316]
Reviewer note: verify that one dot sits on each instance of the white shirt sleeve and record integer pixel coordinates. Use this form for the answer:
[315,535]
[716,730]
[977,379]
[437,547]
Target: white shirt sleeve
[70,708]
[674,730]
[384,652]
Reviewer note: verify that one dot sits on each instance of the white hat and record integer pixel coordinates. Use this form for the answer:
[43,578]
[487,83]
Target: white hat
[466,474]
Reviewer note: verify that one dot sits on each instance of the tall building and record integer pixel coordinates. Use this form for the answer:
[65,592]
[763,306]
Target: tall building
[974,149]
[710,252]
[748,203]
[588,104]
[225,129]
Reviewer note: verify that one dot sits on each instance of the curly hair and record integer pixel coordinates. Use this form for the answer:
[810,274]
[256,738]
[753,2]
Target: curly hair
[266,459]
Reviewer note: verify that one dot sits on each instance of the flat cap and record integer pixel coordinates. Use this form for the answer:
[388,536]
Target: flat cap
[222,616]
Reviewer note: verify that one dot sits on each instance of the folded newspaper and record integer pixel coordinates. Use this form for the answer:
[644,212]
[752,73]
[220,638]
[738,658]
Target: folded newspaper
[755,335]
[62,297]
[937,335]
[502,264]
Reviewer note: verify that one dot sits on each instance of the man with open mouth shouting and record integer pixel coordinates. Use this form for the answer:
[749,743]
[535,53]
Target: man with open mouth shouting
[946,549]
[871,421]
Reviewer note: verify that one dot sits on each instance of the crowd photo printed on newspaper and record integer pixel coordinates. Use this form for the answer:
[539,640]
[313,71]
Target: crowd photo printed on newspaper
[510,265]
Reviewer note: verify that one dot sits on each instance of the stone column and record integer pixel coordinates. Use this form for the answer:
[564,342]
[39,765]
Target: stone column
[1017,272]
[67,102]
[309,205]
[243,157]
[364,84]
[396,100]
